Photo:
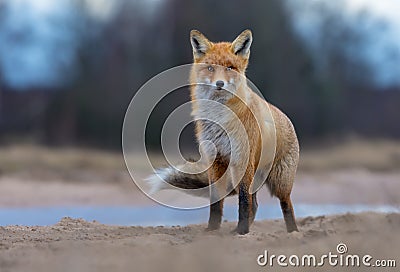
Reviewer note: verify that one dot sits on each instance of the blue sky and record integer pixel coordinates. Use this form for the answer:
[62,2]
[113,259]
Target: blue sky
[37,46]
[379,42]
[33,48]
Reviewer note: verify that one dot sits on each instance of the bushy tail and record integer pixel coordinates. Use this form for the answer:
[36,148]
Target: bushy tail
[180,179]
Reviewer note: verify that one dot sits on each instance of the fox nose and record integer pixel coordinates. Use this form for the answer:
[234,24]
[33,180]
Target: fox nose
[219,84]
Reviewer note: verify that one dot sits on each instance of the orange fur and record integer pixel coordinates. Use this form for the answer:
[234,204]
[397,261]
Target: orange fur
[249,109]
[257,141]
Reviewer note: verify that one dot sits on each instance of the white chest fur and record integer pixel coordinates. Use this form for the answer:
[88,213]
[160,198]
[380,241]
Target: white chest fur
[221,131]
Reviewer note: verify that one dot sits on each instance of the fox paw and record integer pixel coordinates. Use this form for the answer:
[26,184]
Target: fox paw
[240,230]
[212,228]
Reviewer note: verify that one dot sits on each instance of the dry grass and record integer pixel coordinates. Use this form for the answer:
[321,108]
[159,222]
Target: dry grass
[21,157]
[382,155]
[378,155]
[70,164]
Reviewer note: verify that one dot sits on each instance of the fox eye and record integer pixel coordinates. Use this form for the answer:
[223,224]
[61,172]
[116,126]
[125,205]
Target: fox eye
[230,68]
[210,68]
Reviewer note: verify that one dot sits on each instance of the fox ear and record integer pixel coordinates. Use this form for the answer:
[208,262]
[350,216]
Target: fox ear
[200,43]
[241,45]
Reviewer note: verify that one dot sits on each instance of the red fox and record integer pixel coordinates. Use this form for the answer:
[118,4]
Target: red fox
[220,77]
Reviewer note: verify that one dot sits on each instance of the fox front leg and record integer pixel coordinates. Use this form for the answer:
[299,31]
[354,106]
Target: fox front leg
[217,181]
[245,210]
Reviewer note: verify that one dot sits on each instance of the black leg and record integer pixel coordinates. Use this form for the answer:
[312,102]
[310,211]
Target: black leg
[288,214]
[216,209]
[245,206]
[214,221]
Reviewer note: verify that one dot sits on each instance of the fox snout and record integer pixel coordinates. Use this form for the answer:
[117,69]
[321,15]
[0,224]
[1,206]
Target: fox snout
[219,84]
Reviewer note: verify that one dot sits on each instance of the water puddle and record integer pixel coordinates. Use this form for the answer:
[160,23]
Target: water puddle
[160,215]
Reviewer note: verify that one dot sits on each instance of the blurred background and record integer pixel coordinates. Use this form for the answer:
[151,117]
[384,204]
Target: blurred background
[69,68]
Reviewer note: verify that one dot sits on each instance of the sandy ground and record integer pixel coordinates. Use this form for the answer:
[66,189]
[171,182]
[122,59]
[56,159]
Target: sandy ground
[77,245]
[31,177]
[352,172]
[348,186]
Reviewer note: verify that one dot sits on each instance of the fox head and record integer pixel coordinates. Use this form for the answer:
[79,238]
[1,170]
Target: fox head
[220,65]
